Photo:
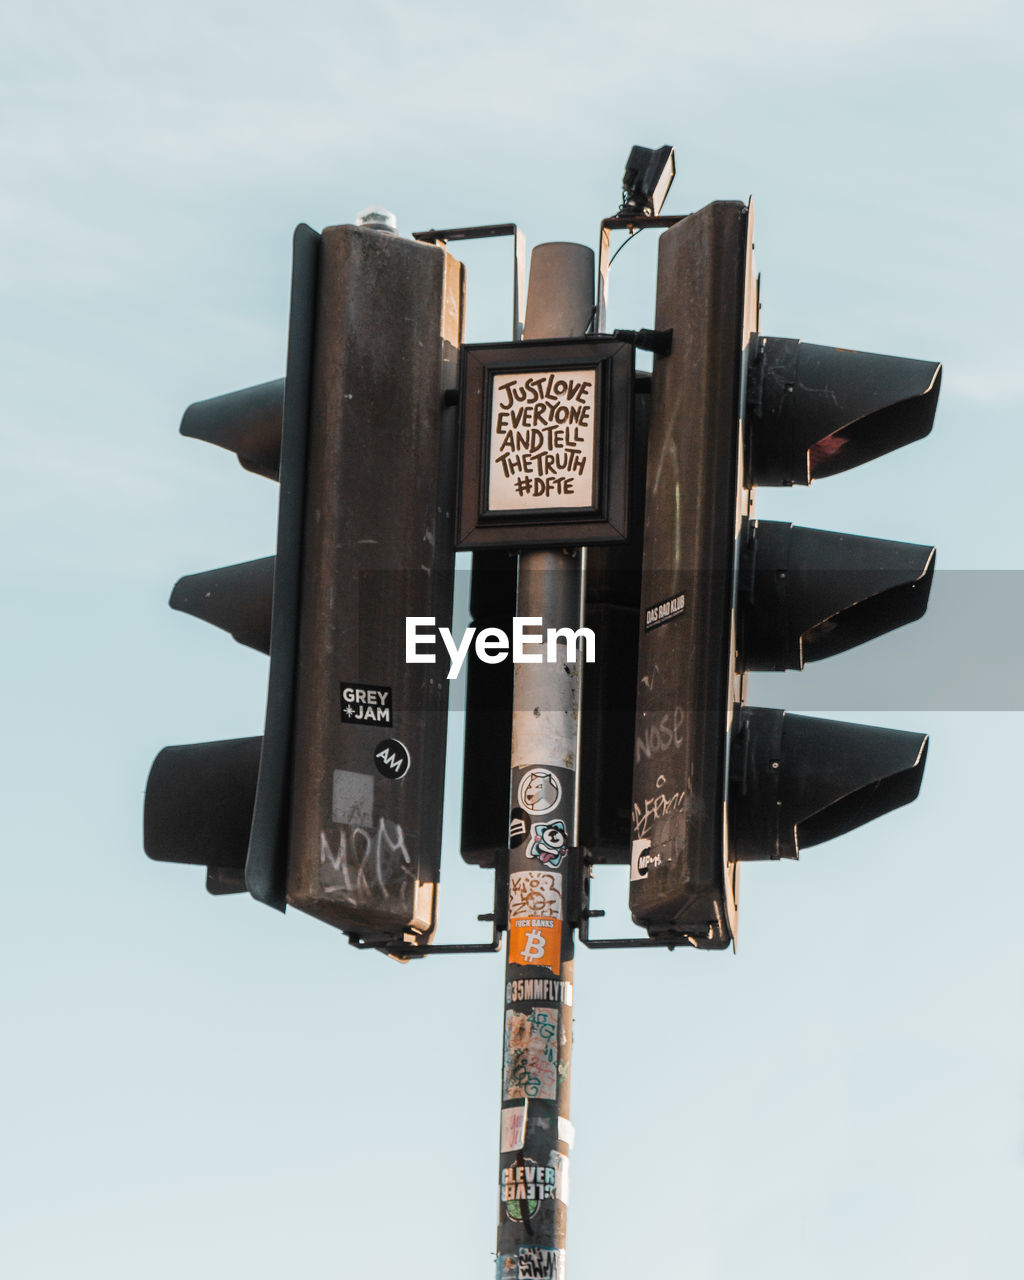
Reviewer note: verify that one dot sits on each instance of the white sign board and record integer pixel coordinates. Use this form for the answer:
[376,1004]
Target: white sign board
[542,440]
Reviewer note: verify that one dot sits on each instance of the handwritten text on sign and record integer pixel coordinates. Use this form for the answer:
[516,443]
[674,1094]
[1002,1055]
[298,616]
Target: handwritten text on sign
[542,440]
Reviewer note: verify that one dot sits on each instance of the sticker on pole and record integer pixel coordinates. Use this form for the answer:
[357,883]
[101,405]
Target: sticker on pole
[535,1261]
[366,704]
[641,859]
[535,893]
[535,940]
[524,1184]
[665,611]
[539,790]
[530,1068]
[518,828]
[391,758]
[513,1127]
[549,843]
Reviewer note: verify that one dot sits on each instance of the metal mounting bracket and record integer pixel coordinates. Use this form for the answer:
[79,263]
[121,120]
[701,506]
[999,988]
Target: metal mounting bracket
[518,260]
[407,951]
[620,222]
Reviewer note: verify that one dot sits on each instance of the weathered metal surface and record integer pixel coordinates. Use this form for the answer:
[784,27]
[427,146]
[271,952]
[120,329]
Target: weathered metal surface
[681,883]
[368,773]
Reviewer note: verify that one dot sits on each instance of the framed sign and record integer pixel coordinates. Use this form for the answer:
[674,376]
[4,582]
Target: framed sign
[545,431]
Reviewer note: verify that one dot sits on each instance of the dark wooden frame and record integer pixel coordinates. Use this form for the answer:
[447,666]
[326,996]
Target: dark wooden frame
[608,519]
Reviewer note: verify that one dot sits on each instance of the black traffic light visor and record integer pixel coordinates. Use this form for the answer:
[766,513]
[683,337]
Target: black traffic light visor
[809,593]
[247,422]
[199,803]
[797,781]
[816,411]
[236,598]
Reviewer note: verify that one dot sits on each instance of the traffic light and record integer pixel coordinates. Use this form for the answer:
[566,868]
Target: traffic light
[716,782]
[337,808]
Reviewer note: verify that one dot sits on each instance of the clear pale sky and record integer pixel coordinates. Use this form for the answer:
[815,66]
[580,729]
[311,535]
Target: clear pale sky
[201,1087]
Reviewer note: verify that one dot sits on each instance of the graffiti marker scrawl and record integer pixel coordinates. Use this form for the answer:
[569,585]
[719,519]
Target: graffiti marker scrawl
[531,1054]
[536,1263]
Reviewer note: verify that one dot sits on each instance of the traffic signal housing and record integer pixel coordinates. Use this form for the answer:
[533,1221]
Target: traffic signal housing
[716,782]
[337,808]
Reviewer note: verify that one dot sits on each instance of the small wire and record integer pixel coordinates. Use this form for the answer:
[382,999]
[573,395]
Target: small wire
[628,240]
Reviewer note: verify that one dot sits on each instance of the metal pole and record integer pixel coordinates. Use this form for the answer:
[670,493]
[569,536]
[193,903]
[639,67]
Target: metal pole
[536,1133]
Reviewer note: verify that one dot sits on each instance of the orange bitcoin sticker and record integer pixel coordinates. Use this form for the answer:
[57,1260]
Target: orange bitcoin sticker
[535,940]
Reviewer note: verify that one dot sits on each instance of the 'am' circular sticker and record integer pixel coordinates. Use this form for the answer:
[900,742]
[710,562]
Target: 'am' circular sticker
[391,758]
